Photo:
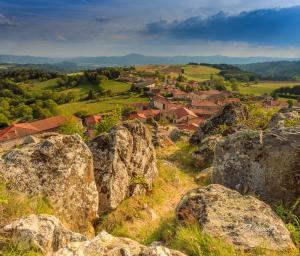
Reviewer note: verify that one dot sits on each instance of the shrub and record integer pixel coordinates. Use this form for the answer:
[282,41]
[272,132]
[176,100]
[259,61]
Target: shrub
[109,122]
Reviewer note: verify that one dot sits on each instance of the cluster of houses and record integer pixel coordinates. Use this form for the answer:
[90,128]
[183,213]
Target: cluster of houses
[185,110]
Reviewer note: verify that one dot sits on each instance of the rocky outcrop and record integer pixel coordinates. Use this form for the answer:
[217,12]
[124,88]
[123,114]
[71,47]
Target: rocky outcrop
[204,156]
[124,163]
[61,168]
[286,117]
[43,233]
[244,221]
[229,117]
[266,164]
[107,245]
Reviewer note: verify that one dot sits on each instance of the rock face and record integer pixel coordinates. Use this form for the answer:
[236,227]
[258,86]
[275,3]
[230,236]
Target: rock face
[245,221]
[44,233]
[266,164]
[60,168]
[285,117]
[230,115]
[124,163]
[204,156]
[107,245]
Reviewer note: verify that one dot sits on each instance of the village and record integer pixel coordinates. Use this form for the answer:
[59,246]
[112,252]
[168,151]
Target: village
[185,105]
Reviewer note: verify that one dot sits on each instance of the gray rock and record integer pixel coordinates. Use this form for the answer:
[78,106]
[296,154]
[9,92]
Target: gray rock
[107,245]
[230,115]
[244,221]
[61,168]
[43,233]
[124,163]
[262,163]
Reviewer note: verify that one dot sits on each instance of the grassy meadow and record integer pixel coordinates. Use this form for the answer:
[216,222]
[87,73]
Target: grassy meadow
[265,87]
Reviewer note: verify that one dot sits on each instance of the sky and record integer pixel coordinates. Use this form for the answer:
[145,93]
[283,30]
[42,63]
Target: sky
[69,28]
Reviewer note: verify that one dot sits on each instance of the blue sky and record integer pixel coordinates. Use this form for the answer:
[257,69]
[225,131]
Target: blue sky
[156,27]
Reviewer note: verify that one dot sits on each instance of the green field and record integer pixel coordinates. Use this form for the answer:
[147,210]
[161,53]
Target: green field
[265,87]
[199,73]
[104,105]
[192,72]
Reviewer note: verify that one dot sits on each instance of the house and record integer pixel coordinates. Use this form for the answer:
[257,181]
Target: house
[204,104]
[148,113]
[16,133]
[187,127]
[145,85]
[203,113]
[91,122]
[227,101]
[179,94]
[139,116]
[274,103]
[181,115]
[207,95]
[160,102]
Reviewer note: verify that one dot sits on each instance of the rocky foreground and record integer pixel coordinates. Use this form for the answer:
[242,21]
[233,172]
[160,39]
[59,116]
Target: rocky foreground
[82,182]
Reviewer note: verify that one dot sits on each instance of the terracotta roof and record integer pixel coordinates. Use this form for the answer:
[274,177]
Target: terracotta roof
[177,92]
[94,119]
[204,103]
[160,98]
[229,100]
[139,104]
[149,112]
[16,131]
[199,112]
[196,121]
[137,116]
[188,127]
[182,112]
[209,92]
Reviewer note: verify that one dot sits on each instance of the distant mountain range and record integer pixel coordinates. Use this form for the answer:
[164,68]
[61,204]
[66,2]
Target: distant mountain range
[138,59]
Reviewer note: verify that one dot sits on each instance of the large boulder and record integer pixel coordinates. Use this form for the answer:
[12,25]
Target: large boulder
[107,245]
[229,117]
[204,156]
[43,233]
[262,163]
[61,168]
[124,163]
[244,221]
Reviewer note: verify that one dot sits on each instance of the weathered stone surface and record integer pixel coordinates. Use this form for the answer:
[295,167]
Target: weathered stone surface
[106,245]
[44,233]
[285,117]
[204,156]
[61,168]
[244,221]
[230,115]
[266,164]
[124,163]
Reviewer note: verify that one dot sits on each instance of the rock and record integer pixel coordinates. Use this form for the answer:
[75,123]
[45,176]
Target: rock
[43,233]
[244,221]
[229,116]
[205,175]
[261,163]
[205,154]
[107,245]
[285,117]
[61,168]
[125,163]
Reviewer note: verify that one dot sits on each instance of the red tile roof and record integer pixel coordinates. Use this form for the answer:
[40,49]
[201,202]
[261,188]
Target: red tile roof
[196,121]
[188,127]
[17,131]
[182,112]
[149,112]
[92,120]
[203,103]
[200,112]
[137,116]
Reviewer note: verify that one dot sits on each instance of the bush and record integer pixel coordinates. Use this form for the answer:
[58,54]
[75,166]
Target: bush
[109,122]
[71,127]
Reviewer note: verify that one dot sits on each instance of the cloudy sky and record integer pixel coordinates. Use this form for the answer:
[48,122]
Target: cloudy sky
[62,28]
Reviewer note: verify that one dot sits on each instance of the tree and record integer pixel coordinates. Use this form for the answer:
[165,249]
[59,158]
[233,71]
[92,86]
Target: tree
[71,127]
[3,121]
[291,103]
[91,95]
[109,122]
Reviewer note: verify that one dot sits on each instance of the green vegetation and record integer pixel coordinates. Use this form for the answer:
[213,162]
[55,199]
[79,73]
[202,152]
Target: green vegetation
[199,72]
[264,87]
[259,117]
[72,126]
[16,252]
[109,121]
